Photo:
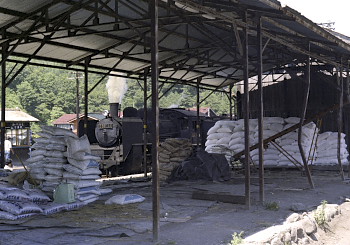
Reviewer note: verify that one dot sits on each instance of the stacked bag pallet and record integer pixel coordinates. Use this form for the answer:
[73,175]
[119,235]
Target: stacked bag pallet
[47,158]
[82,169]
[289,142]
[227,137]
[172,152]
[327,149]
[16,203]
[272,126]
[60,156]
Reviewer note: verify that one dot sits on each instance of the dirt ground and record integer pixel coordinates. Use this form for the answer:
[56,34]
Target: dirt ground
[184,220]
[337,231]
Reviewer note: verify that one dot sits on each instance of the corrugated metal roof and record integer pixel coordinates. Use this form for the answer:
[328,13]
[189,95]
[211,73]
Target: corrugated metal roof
[197,39]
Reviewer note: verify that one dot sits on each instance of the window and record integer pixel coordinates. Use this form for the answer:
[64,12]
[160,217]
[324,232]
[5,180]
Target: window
[19,134]
[18,137]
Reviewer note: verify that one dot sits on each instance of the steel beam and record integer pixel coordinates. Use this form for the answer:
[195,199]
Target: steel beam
[348,97]
[86,97]
[246,115]
[230,99]
[197,114]
[77,106]
[153,5]
[145,115]
[340,119]
[3,102]
[261,114]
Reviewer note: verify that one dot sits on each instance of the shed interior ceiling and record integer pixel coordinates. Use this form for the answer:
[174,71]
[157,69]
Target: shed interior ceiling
[199,40]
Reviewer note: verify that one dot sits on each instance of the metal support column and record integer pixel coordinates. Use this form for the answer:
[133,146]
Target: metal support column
[197,119]
[86,97]
[155,117]
[261,115]
[246,115]
[230,98]
[3,102]
[348,97]
[145,122]
[302,118]
[77,110]
[340,117]
[347,84]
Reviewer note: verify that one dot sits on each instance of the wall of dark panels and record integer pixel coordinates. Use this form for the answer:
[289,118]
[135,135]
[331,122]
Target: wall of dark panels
[285,99]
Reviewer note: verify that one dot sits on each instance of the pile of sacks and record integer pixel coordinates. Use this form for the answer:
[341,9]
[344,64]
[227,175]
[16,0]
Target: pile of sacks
[227,137]
[47,158]
[327,149]
[172,152]
[82,169]
[17,204]
[289,142]
[60,156]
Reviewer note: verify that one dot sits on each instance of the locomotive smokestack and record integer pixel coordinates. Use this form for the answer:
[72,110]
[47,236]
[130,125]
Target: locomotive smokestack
[116,88]
[113,109]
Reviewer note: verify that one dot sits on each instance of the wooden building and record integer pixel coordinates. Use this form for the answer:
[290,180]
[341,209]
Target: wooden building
[69,121]
[18,127]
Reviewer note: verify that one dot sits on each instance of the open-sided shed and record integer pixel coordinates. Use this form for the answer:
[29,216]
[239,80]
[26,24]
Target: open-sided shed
[209,44]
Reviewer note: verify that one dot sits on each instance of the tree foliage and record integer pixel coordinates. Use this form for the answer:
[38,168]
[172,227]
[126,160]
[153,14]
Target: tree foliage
[48,93]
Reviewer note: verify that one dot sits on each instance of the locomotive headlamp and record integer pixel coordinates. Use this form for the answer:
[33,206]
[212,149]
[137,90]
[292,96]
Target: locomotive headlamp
[105,113]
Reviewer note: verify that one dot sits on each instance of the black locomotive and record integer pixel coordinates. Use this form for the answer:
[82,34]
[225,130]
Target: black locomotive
[120,142]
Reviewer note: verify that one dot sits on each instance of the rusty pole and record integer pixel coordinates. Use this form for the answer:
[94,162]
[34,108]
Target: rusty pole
[145,122]
[347,97]
[230,98]
[77,106]
[340,117]
[197,115]
[246,114]
[86,99]
[3,101]
[302,118]
[155,117]
[261,115]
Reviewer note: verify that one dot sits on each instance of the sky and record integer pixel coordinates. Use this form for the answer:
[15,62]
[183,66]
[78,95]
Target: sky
[321,11]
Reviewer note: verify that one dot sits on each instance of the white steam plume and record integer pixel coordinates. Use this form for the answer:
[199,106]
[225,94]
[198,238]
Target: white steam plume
[116,88]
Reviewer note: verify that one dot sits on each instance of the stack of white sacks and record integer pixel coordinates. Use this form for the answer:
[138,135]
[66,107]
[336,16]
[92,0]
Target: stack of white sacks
[327,149]
[60,156]
[227,137]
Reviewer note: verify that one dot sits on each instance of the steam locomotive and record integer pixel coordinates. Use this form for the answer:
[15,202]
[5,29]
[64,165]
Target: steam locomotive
[119,140]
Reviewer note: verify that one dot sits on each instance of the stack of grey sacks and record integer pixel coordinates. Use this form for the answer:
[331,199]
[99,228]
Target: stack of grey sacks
[172,152]
[227,137]
[82,169]
[327,149]
[47,158]
[60,156]
[16,203]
